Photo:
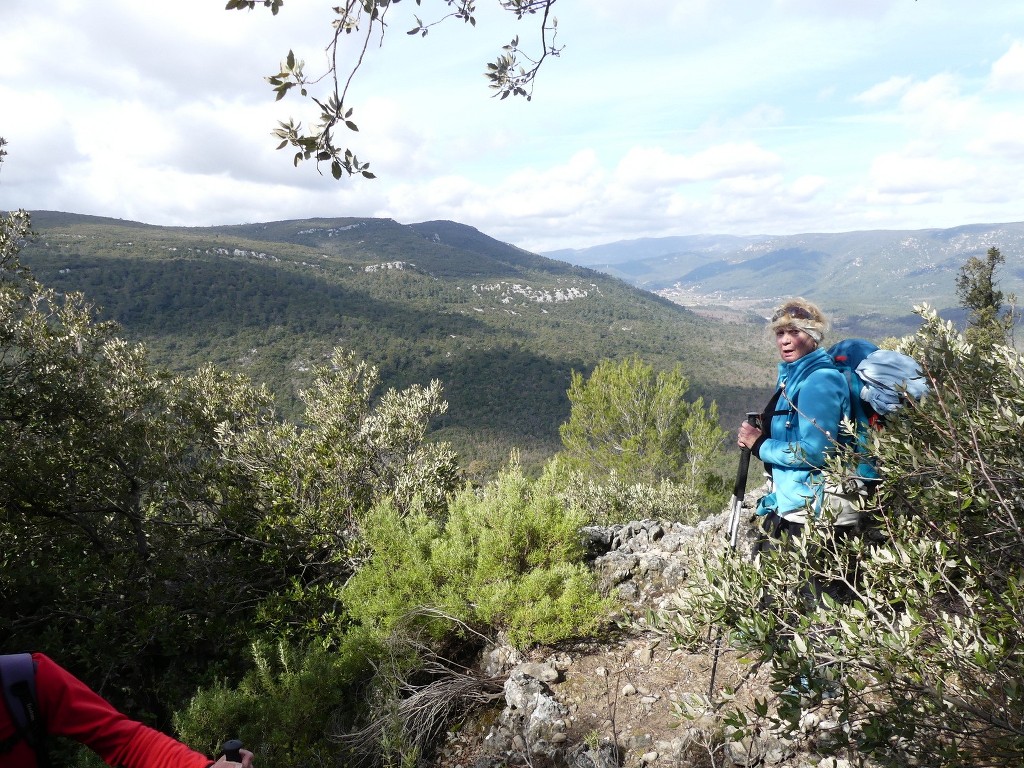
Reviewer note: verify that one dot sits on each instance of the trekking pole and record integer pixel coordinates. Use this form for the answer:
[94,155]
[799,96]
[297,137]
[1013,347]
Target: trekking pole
[740,488]
[232,750]
[736,509]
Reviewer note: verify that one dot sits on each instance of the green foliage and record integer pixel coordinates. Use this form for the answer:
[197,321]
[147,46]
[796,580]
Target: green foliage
[614,501]
[507,558]
[925,653]
[15,229]
[501,328]
[285,706]
[365,20]
[633,425]
[976,287]
[154,524]
[93,443]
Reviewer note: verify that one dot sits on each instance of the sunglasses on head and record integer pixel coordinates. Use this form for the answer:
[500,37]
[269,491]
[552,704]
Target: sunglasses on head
[798,313]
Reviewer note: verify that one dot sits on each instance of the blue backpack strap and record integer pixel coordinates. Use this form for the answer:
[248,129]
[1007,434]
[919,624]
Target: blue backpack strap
[18,680]
[849,355]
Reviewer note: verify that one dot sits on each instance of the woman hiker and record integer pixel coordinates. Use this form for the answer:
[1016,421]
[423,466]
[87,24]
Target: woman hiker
[800,427]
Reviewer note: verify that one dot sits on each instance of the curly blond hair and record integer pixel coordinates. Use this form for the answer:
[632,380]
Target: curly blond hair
[802,314]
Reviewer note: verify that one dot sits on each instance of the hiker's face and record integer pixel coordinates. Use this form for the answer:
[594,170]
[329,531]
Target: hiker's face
[793,344]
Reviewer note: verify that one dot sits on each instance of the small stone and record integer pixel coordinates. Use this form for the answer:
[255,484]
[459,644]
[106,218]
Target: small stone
[809,721]
[628,690]
[737,752]
[669,544]
[639,742]
[546,673]
[562,663]
[648,757]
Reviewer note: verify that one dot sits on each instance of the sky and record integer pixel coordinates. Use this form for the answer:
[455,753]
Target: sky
[659,118]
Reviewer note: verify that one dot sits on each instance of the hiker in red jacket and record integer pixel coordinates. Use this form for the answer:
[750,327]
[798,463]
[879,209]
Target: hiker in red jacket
[68,707]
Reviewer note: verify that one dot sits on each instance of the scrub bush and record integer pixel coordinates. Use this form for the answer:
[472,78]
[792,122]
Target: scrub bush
[508,558]
[284,707]
[635,425]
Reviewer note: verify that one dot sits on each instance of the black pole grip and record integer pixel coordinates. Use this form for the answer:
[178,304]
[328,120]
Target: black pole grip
[741,474]
[232,750]
[739,489]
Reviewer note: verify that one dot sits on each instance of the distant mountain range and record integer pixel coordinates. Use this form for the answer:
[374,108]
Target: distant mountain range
[502,328]
[870,279]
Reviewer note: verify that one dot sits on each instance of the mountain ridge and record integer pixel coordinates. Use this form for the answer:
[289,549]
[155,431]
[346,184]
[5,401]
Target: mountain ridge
[856,273]
[502,328]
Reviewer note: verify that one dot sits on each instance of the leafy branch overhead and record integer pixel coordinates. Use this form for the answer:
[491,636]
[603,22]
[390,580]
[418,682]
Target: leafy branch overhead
[512,72]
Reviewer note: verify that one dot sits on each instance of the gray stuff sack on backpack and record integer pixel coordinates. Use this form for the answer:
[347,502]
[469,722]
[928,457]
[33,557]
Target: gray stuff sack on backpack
[889,378]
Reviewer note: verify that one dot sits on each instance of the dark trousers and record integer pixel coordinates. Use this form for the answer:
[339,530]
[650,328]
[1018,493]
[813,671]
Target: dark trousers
[777,532]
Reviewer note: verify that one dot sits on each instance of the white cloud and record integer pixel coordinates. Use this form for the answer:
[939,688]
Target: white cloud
[653,167]
[1008,71]
[806,188]
[892,88]
[1003,137]
[934,94]
[895,174]
[939,107]
[750,186]
[659,118]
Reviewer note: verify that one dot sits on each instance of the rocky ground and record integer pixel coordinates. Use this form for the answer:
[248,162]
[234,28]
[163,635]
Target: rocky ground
[621,702]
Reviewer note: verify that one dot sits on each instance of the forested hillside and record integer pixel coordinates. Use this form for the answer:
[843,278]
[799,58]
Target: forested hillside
[501,328]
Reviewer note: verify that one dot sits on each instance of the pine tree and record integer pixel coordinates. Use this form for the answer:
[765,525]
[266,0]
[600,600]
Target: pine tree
[978,291]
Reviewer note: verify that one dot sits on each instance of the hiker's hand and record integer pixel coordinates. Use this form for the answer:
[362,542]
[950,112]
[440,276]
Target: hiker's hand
[225,763]
[748,435]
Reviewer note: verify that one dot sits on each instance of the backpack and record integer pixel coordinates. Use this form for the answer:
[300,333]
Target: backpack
[881,381]
[18,679]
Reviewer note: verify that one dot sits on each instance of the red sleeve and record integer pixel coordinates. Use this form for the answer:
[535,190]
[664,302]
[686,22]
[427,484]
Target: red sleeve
[70,708]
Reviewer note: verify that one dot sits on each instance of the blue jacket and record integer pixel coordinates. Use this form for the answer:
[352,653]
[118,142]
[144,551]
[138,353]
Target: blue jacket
[814,400]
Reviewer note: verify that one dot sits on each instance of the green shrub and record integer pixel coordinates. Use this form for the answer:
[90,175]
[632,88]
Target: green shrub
[632,422]
[615,501]
[282,709]
[508,558]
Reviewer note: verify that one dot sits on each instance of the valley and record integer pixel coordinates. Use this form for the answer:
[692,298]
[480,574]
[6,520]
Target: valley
[501,328]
